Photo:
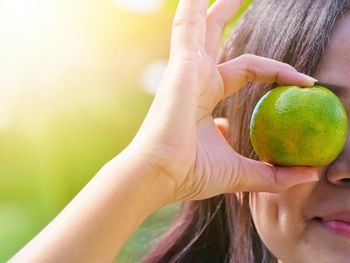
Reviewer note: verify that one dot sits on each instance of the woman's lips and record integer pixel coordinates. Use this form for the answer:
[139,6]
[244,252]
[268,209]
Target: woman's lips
[341,215]
[338,223]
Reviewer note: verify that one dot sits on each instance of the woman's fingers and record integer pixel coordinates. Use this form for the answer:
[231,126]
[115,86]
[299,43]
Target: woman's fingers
[238,72]
[189,27]
[255,176]
[219,15]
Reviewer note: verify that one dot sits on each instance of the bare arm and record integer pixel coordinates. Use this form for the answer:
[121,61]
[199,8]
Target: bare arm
[98,221]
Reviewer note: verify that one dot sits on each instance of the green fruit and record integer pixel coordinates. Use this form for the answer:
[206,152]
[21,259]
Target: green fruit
[293,126]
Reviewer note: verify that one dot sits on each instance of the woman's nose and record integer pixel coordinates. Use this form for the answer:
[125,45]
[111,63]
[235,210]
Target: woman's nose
[339,171]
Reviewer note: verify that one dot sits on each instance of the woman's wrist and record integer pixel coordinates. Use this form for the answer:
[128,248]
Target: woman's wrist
[151,182]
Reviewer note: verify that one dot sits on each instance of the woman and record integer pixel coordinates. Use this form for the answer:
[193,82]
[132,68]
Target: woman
[236,208]
[221,229]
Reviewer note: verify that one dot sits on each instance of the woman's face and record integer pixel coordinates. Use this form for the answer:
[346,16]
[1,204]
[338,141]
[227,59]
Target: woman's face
[284,220]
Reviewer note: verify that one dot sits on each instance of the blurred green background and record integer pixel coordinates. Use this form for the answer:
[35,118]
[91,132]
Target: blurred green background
[77,79]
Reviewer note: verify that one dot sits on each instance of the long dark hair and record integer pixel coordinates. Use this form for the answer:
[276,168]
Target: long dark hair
[220,229]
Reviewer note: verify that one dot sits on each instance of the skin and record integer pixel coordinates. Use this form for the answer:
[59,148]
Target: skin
[281,219]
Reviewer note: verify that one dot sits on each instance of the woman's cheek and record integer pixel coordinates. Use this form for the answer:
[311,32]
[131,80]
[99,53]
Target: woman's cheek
[278,218]
[265,214]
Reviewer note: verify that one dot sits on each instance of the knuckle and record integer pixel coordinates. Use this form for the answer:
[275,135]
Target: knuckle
[184,61]
[248,57]
[214,22]
[250,73]
[248,63]
[278,185]
[180,22]
[238,183]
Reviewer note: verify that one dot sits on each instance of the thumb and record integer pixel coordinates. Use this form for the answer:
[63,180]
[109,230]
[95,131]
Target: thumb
[256,176]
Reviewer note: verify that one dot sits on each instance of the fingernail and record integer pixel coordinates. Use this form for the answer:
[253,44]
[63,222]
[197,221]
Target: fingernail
[309,79]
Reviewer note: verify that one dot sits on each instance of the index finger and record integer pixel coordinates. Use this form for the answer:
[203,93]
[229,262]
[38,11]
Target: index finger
[189,26]
[238,72]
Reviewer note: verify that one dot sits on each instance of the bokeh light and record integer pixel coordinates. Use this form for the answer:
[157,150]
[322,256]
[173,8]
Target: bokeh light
[152,75]
[68,72]
[142,6]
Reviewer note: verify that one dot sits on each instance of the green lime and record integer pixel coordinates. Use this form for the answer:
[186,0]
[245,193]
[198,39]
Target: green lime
[294,126]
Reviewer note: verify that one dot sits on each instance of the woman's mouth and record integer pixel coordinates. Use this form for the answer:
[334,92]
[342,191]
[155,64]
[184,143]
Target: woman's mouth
[334,225]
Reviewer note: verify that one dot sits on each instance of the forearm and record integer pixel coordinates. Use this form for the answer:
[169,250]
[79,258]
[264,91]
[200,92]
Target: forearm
[95,225]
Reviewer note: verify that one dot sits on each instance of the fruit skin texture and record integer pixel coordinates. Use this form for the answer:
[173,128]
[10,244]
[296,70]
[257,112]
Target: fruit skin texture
[293,126]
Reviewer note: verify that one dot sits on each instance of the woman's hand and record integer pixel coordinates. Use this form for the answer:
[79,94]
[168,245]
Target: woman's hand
[179,138]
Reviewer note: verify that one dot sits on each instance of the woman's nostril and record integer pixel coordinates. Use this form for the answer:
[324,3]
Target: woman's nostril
[345,180]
